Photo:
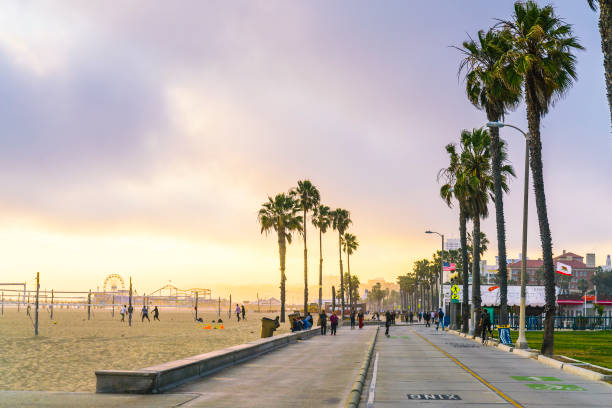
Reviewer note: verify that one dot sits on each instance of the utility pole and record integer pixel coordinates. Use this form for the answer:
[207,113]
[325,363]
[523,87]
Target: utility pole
[196,306]
[130,308]
[113,312]
[36,312]
[219,312]
[257,302]
[89,305]
[51,304]
[229,311]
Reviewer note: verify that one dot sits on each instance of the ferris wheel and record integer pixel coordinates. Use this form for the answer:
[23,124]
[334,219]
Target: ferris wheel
[112,282]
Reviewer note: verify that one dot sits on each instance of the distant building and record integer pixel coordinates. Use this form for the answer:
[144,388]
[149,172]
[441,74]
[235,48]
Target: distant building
[579,270]
[452,244]
[608,264]
[590,260]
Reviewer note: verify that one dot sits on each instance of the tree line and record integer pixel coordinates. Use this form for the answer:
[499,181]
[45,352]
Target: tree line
[288,213]
[529,57]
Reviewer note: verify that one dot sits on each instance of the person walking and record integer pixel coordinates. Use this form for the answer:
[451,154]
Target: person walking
[323,322]
[238,310]
[352,319]
[243,310]
[145,313]
[360,318]
[411,317]
[440,319]
[426,317]
[485,324]
[387,323]
[156,314]
[122,312]
[333,319]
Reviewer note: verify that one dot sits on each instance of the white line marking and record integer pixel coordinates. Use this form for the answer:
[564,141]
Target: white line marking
[372,389]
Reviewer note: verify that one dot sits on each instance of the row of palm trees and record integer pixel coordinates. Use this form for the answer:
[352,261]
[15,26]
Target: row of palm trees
[528,57]
[287,213]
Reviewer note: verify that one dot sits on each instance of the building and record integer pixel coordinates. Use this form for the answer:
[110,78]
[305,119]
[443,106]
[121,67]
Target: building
[590,260]
[608,266]
[579,270]
[452,244]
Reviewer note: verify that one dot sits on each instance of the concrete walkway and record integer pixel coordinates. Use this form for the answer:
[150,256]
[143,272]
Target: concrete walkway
[317,372]
[413,370]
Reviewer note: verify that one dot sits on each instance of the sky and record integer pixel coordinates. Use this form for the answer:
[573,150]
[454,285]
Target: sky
[142,138]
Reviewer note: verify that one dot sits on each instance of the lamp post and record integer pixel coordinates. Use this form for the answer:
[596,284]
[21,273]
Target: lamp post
[441,268]
[521,343]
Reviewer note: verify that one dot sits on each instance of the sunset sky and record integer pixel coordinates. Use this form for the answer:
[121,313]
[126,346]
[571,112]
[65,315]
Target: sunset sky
[141,138]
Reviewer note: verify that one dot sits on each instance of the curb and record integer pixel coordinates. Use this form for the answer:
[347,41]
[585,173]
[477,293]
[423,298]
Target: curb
[357,388]
[551,362]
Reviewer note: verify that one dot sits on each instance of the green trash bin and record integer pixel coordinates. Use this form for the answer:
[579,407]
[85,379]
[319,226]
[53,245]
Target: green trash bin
[268,326]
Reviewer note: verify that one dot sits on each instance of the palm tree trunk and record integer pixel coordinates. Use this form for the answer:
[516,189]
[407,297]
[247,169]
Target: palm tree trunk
[341,271]
[476,301]
[305,269]
[350,281]
[320,268]
[535,151]
[605,29]
[282,251]
[465,306]
[499,219]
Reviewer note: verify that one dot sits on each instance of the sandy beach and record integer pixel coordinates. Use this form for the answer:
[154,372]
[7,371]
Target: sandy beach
[65,354]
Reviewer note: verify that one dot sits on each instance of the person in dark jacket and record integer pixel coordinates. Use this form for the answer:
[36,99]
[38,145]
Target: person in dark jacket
[387,323]
[323,322]
[485,324]
[333,319]
[352,319]
[440,319]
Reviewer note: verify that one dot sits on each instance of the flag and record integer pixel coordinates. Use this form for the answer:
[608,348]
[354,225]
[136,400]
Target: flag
[449,266]
[492,288]
[564,269]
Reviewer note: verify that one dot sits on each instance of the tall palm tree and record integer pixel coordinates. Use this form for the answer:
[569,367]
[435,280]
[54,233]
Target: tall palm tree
[605,29]
[476,163]
[545,64]
[322,220]
[341,219]
[308,197]
[487,91]
[350,244]
[281,215]
[456,186]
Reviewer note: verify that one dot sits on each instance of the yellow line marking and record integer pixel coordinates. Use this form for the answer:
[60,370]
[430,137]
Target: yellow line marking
[479,378]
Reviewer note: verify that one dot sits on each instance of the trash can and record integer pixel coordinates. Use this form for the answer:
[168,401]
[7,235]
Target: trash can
[267,327]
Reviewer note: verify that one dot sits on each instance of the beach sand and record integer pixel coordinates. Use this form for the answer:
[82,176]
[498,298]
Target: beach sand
[65,355]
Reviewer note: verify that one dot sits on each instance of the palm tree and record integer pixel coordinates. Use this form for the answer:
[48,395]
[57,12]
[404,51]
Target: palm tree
[350,244]
[487,91]
[341,219]
[543,58]
[476,164]
[308,197]
[605,29]
[321,219]
[280,214]
[456,186]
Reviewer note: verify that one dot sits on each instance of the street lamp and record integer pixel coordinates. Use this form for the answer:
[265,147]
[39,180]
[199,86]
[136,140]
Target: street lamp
[521,343]
[441,268]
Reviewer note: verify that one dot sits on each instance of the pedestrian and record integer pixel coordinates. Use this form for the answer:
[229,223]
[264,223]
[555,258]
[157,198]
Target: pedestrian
[130,311]
[145,313]
[243,313]
[122,312]
[420,316]
[352,319]
[333,319]
[323,322]
[156,314]
[360,318]
[411,317]
[238,310]
[485,324]
[440,319]
[426,317]
[387,323]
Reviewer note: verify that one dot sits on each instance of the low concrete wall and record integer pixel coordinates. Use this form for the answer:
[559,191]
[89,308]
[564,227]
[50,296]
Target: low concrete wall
[165,376]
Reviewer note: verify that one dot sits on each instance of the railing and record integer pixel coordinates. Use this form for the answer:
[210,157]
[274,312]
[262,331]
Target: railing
[563,322]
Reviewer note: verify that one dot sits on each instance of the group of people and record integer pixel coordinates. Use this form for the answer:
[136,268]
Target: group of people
[240,311]
[359,318]
[302,323]
[333,320]
[144,313]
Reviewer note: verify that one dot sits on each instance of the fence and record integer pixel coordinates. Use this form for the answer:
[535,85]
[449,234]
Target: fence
[563,322]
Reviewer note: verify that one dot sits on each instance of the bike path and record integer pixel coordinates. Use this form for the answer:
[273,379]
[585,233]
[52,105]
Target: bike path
[418,366]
